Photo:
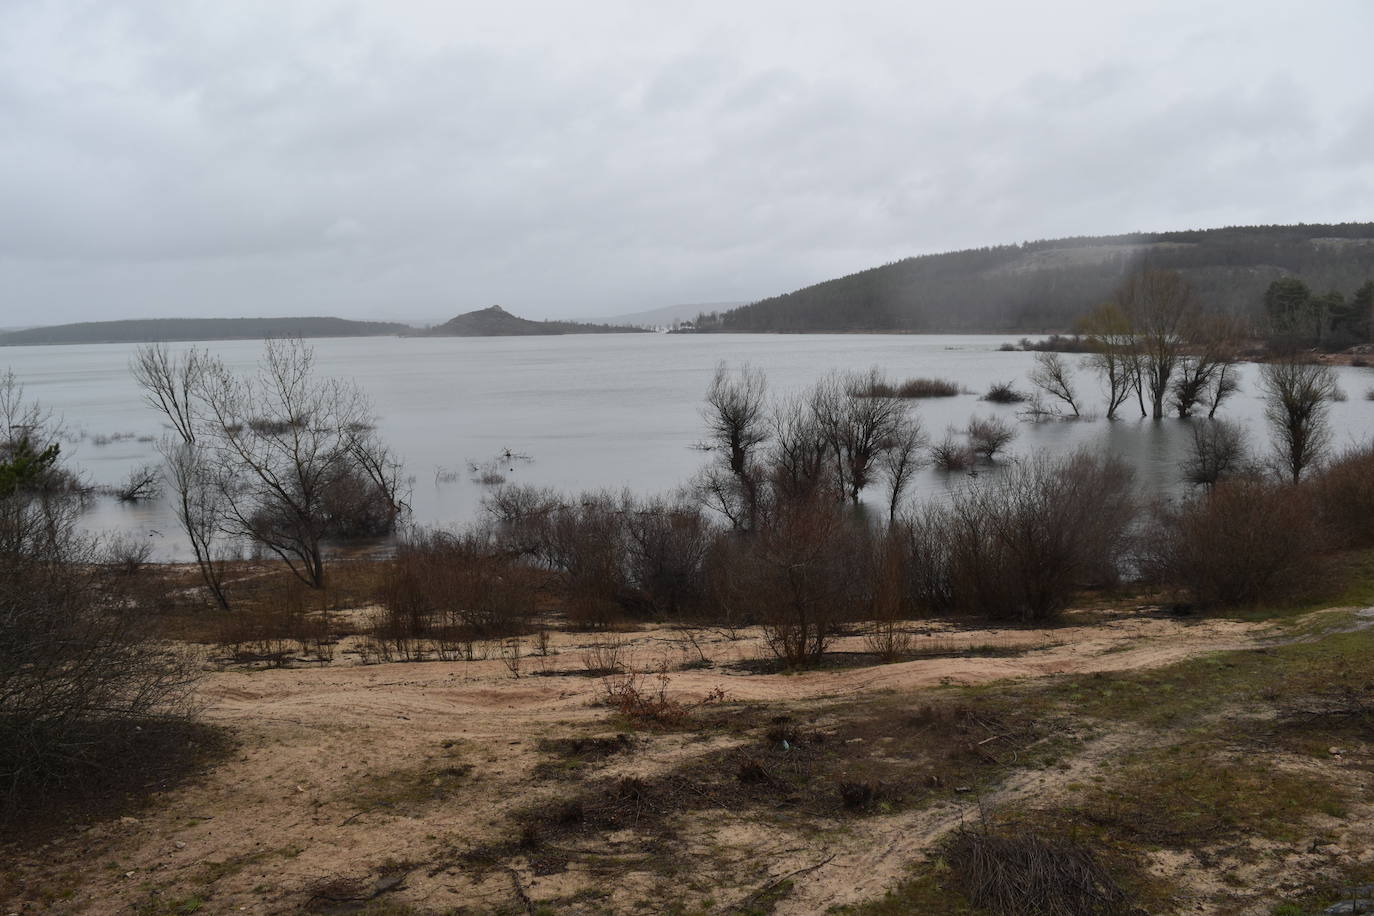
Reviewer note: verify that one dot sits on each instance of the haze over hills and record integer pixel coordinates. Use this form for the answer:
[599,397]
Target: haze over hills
[497,322]
[149,330]
[668,315]
[1046,285]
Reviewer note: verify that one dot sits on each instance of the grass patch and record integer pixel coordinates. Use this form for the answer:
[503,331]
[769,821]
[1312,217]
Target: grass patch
[1187,795]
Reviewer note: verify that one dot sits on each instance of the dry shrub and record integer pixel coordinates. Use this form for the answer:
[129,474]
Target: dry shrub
[1247,541]
[666,543]
[614,555]
[441,591]
[911,388]
[275,623]
[1343,494]
[952,454]
[1004,872]
[586,545]
[1004,393]
[604,655]
[892,598]
[85,686]
[1021,545]
[800,575]
[644,699]
[989,435]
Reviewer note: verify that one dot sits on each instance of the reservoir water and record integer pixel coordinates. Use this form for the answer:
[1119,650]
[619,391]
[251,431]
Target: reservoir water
[599,411]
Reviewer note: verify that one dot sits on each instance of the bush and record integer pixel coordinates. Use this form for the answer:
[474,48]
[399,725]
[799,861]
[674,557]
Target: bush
[1248,540]
[83,684]
[952,454]
[449,590]
[1004,393]
[798,575]
[1019,546]
[911,388]
[1343,494]
[989,435]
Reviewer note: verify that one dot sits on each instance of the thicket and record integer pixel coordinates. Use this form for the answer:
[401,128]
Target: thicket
[85,688]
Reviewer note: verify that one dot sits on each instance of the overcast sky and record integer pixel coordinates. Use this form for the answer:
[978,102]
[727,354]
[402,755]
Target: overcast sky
[416,160]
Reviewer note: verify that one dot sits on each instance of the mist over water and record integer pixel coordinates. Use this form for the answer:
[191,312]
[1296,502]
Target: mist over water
[601,411]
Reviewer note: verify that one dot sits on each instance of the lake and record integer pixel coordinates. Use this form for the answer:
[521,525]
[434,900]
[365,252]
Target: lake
[597,411]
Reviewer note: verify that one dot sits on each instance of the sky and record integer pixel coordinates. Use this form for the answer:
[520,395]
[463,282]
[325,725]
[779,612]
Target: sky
[414,160]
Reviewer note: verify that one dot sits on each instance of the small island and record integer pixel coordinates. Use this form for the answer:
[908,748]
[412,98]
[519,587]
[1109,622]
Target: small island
[497,322]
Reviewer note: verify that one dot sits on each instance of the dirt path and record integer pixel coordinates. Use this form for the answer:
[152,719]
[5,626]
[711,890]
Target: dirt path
[334,765]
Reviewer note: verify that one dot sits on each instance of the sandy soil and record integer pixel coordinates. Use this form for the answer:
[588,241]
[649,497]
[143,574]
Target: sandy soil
[318,795]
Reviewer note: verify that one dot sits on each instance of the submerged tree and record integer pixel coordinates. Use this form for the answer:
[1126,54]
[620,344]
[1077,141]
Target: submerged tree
[736,416]
[281,457]
[1114,357]
[1053,376]
[1298,396]
[1161,309]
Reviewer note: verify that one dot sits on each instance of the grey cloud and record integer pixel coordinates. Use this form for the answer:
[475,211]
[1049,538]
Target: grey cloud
[189,158]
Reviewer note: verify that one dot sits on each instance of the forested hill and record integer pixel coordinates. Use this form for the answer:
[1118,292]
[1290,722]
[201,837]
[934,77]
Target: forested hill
[151,330]
[1046,285]
[497,322]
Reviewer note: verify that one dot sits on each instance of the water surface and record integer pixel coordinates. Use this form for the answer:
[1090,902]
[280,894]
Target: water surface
[598,411]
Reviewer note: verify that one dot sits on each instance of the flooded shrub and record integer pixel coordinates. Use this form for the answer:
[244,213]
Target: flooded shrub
[1004,393]
[910,388]
[1219,451]
[989,435]
[952,454]
[1248,540]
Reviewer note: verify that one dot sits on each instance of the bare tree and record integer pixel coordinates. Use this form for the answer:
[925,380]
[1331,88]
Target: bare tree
[737,424]
[900,459]
[199,505]
[1161,309]
[171,384]
[1114,354]
[1298,396]
[870,426]
[1204,374]
[141,483]
[1053,376]
[798,457]
[293,457]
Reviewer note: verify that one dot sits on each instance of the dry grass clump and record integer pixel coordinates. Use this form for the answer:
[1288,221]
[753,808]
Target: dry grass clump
[1005,872]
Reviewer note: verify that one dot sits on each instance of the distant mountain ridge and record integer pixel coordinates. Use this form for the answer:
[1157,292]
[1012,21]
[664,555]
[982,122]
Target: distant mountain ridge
[156,330]
[497,322]
[1046,285]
